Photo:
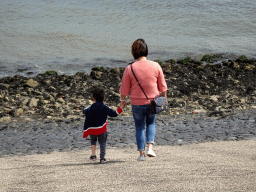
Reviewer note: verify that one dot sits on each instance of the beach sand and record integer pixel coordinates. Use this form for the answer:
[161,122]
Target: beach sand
[210,166]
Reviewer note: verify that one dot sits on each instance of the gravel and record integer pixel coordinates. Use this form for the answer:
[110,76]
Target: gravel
[47,136]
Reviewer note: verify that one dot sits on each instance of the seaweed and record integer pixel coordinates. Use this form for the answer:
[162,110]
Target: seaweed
[159,62]
[241,59]
[207,58]
[21,70]
[97,68]
[198,62]
[172,61]
[48,73]
[185,61]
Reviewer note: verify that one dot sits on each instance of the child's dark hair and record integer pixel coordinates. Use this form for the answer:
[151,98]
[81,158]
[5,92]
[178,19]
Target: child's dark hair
[98,94]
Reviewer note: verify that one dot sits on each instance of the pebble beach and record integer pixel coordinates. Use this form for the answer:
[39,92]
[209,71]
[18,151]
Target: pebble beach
[205,140]
[47,136]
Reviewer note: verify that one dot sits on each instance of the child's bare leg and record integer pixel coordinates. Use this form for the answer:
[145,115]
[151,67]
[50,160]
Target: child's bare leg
[93,144]
[93,147]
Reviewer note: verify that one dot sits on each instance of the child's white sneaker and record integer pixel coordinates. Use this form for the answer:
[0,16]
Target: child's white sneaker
[150,153]
[142,158]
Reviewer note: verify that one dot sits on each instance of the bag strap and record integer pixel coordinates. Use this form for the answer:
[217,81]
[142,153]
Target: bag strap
[139,84]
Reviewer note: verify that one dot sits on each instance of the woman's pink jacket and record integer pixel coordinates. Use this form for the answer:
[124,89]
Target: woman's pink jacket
[151,77]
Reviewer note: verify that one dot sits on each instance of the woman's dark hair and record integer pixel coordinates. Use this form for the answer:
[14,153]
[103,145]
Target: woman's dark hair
[98,94]
[139,49]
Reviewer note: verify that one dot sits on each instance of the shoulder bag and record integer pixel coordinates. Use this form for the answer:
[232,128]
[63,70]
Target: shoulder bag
[159,102]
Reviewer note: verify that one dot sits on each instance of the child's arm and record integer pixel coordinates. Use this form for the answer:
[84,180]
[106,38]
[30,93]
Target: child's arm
[86,109]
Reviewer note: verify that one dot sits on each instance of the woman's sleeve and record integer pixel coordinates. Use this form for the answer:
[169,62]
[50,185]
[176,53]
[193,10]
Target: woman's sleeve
[161,83]
[126,83]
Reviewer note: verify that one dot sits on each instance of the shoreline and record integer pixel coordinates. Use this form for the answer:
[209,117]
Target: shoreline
[31,71]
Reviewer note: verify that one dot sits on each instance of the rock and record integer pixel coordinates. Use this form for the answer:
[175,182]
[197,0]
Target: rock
[52,89]
[234,65]
[249,67]
[96,75]
[45,102]
[180,142]
[232,139]
[60,100]
[18,112]
[57,105]
[115,70]
[214,98]
[32,83]
[199,111]
[242,101]
[4,86]
[5,119]
[33,102]
[124,114]
[24,101]
[7,109]
[74,100]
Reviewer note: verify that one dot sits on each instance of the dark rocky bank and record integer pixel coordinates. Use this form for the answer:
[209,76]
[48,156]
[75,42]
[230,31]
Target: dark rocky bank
[215,89]
[209,102]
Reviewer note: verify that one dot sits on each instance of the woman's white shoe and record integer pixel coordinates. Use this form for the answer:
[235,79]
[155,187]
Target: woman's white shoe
[150,153]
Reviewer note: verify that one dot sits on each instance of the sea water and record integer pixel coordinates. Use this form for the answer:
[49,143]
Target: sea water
[73,35]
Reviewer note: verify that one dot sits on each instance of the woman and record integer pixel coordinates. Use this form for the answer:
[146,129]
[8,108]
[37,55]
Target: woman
[151,78]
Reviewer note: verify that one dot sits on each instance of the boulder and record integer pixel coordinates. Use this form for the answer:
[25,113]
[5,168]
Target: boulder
[249,67]
[199,111]
[18,112]
[73,100]
[60,100]
[5,119]
[96,75]
[32,83]
[24,101]
[214,98]
[33,102]
[4,86]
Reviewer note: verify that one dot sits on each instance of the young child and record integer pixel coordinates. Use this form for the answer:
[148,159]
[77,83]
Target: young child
[96,122]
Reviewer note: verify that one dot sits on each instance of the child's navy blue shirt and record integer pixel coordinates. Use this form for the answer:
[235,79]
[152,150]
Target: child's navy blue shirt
[96,118]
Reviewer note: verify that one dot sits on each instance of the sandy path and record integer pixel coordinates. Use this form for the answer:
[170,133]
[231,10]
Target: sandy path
[215,166]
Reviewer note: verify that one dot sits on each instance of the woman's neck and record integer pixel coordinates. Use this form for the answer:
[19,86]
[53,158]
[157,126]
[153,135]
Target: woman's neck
[143,58]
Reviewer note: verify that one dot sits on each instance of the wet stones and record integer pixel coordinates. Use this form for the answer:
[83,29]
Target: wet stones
[192,86]
[58,134]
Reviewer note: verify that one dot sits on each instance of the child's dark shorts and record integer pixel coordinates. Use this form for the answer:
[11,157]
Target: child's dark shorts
[101,138]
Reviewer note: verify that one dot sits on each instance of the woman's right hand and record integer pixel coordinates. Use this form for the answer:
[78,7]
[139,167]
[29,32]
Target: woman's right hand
[123,104]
